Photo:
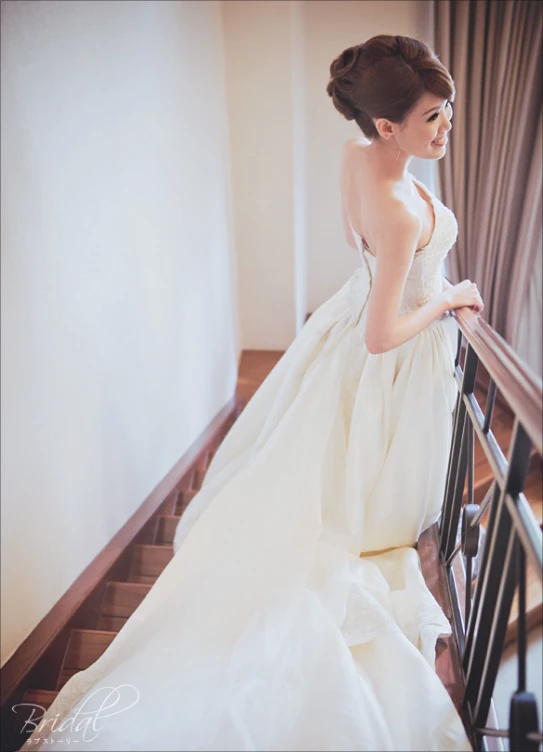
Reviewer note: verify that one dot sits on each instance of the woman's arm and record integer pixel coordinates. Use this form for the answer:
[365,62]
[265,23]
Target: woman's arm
[445,284]
[385,328]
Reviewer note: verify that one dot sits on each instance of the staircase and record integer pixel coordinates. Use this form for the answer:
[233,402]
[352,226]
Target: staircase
[120,598]
[150,556]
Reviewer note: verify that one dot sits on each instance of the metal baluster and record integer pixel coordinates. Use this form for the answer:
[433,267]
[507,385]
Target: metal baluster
[470,548]
[458,348]
[489,409]
[480,680]
[471,461]
[521,619]
[488,625]
[523,714]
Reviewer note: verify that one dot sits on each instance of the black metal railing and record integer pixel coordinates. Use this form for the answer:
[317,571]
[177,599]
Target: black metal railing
[512,539]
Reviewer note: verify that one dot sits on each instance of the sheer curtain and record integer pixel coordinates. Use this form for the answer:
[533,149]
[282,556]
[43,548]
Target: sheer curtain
[492,175]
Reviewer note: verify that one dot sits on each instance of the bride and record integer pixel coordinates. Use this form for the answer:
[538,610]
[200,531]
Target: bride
[294,615]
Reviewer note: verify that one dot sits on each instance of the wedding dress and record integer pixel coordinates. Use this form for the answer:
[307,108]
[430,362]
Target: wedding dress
[294,614]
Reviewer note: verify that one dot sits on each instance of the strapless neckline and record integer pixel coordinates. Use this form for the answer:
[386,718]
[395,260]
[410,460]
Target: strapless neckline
[363,244]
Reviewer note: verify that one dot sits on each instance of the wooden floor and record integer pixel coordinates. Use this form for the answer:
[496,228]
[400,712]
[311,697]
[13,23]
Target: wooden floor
[254,366]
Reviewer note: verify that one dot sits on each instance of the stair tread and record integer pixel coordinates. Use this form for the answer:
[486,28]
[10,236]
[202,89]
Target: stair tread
[143,579]
[113,623]
[149,560]
[40,696]
[84,648]
[122,598]
[84,642]
[534,608]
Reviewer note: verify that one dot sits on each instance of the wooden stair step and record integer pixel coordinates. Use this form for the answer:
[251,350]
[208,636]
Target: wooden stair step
[122,598]
[148,562]
[533,490]
[115,623]
[534,606]
[198,478]
[143,579]
[205,459]
[120,601]
[501,427]
[183,500]
[169,503]
[34,704]
[484,477]
[481,483]
[167,525]
[43,697]
[84,647]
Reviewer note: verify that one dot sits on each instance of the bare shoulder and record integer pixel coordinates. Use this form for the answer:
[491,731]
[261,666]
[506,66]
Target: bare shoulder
[398,234]
[377,206]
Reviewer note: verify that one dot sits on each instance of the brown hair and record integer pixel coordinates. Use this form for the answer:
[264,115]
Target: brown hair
[384,78]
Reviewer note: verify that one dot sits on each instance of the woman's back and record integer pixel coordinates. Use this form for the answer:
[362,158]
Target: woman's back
[371,201]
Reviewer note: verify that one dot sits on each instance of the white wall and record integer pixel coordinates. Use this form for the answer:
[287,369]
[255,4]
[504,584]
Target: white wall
[119,321]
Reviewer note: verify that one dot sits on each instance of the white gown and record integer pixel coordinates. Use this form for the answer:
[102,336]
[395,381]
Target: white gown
[268,630]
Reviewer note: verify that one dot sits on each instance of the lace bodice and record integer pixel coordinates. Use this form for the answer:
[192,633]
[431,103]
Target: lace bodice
[424,278]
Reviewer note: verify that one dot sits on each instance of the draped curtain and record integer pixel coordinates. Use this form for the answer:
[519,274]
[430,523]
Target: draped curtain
[492,175]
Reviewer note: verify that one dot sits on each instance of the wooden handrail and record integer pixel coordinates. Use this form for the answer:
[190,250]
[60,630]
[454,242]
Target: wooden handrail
[521,388]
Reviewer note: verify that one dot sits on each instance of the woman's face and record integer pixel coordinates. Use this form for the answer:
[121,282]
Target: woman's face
[430,121]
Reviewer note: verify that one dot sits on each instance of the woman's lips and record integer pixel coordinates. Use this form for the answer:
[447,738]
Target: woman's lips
[440,143]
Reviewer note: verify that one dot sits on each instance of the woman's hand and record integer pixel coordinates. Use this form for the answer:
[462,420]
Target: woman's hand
[464,294]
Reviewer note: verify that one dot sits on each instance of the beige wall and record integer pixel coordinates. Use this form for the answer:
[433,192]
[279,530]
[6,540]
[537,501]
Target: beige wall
[257,36]
[330,28]
[286,139]
[118,282]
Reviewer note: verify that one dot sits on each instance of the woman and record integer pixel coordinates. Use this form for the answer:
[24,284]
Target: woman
[294,615]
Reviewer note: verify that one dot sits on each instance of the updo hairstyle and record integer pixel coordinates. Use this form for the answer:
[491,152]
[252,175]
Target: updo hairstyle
[384,78]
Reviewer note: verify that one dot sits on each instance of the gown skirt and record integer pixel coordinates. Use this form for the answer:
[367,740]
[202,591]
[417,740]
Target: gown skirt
[294,614]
